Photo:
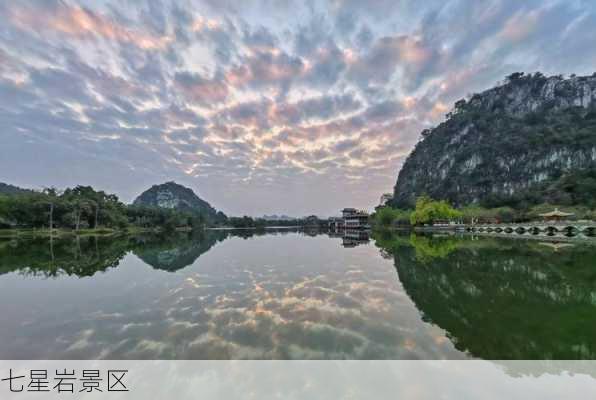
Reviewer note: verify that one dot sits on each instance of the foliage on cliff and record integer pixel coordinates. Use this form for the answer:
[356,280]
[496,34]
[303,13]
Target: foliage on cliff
[530,140]
[428,211]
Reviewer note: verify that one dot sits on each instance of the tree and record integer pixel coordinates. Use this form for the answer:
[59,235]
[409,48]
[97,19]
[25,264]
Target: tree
[84,207]
[51,195]
[428,249]
[387,216]
[459,106]
[170,224]
[515,76]
[428,210]
[196,222]
[384,216]
[476,214]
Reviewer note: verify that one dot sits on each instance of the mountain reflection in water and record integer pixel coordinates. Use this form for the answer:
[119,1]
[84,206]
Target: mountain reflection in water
[296,294]
[502,298]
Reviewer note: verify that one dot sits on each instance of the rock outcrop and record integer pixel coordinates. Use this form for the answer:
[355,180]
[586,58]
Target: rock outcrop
[529,140]
[174,196]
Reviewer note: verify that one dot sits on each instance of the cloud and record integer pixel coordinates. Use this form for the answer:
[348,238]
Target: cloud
[203,91]
[364,37]
[346,145]
[260,38]
[385,110]
[82,23]
[345,22]
[389,54]
[236,105]
[326,65]
[266,68]
[252,114]
[320,107]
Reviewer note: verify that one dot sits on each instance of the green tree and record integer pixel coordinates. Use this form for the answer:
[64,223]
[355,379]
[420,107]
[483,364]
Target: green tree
[428,210]
[475,214]
[429,248]
[387,216]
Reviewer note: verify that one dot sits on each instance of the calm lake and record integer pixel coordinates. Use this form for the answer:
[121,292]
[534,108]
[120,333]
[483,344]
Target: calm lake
[296,295]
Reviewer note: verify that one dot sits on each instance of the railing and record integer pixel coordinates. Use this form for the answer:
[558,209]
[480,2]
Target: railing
[557,226]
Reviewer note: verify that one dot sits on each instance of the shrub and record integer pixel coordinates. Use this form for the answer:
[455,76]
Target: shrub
[428,210]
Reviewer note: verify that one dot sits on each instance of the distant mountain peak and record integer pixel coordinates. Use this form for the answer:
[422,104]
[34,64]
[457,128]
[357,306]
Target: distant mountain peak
[276,217]
[8,189]
[173,195]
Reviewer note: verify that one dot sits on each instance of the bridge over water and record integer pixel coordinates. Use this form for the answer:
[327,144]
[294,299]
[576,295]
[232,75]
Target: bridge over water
[565,227]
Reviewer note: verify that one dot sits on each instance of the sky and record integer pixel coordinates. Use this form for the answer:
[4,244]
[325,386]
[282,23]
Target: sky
[261,106]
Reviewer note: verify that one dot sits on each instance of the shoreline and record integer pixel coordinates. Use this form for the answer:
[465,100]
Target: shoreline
[250,228]
[513,235]
[16,233]
[27,233]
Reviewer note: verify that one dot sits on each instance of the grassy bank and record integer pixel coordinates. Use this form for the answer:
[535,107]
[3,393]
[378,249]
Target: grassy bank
[58,233]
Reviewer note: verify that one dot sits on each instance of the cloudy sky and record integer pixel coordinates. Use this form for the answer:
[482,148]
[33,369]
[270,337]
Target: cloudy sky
[260,106]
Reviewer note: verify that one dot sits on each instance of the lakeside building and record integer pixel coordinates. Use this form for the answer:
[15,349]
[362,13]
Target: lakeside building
[336,223]
[555,216]
[351,219]
[354,237]
[355,219]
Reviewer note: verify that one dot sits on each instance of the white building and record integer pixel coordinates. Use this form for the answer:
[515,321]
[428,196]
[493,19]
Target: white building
[351,219]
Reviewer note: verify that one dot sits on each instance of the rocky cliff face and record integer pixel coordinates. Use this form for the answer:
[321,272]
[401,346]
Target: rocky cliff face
[174,196]
[530,140]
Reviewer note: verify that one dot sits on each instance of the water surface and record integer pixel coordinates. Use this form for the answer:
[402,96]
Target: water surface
[296,295]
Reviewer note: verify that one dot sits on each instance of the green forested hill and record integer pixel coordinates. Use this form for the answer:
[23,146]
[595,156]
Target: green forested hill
[171,195]
[530,140]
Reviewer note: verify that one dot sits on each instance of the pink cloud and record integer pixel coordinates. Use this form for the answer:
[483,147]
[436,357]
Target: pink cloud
[389,53]
[203,91]
[520,25]
[82,23]
[266,67]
